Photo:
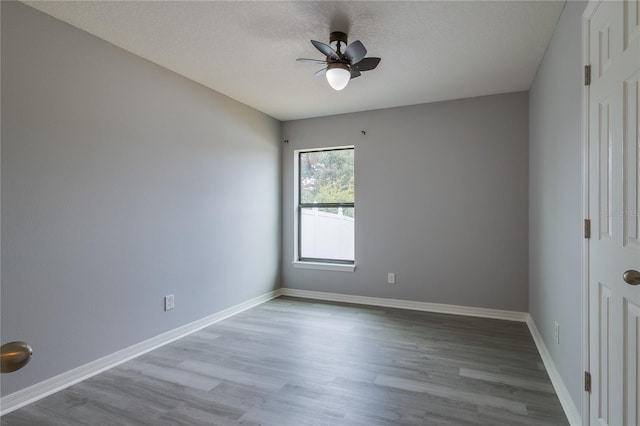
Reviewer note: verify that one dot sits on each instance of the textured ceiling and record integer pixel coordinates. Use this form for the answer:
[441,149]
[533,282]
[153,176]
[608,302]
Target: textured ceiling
[430,50]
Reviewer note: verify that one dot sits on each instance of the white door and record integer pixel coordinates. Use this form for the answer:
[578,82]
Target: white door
[614,202]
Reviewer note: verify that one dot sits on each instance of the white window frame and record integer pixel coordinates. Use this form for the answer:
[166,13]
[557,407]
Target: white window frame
[326,266]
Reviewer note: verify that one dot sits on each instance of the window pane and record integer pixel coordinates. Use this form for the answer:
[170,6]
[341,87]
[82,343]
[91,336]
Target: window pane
[327,176]
[327,233]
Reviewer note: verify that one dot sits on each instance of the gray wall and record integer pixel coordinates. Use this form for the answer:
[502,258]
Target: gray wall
[453,176]
[122,182]
[555,197]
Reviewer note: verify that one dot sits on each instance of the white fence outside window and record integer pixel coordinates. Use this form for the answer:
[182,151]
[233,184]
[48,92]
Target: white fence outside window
[327,235]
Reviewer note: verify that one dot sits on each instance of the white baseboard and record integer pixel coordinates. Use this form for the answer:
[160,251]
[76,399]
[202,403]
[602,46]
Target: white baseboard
[569,407]
[47,387]
[408,304]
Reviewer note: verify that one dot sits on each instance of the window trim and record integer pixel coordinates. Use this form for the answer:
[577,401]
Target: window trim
[315,263]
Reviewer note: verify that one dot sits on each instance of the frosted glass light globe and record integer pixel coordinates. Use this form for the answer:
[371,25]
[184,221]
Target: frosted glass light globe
[338,75]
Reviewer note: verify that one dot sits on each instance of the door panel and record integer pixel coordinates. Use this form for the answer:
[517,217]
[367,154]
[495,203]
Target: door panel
[631,162]
[604,169]
[631,22]
[631,361]
[604,343]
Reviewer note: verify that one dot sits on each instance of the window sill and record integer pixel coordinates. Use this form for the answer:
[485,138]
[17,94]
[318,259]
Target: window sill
[324,266]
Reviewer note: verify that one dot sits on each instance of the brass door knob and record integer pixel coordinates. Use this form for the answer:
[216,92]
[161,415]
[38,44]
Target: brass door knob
[631,277]
[14,356]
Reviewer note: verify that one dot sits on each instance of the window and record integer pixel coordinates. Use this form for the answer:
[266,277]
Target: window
[325,206]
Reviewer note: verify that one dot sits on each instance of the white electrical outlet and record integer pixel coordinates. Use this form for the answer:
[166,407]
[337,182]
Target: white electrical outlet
[169,302]
[391,278]
[556,331]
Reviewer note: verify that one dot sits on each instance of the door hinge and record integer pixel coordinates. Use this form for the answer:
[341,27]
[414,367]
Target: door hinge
[587,228]
[587,381]
[587,75]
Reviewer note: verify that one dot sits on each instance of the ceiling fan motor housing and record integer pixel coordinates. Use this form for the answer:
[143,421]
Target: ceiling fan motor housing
[336,38]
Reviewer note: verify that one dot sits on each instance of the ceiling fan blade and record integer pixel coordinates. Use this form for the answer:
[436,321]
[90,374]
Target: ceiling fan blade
[321,72]
[367,64]
[325,49]
[355,73]
[313,61]
[355,52]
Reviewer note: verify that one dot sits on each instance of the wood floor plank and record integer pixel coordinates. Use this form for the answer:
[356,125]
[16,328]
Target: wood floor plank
[522,382]
[451,393]
[174,375]
[297,362]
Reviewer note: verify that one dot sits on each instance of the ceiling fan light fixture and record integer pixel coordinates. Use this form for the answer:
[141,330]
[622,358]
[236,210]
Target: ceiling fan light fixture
[341,66]
[338,75]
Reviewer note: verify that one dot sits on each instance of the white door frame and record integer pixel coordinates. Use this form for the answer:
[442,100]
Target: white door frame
[586,16]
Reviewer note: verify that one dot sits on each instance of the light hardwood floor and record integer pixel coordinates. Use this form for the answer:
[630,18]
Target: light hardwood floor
[296,362]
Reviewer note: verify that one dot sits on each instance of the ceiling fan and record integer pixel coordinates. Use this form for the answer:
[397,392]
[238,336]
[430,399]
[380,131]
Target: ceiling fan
[342,66]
